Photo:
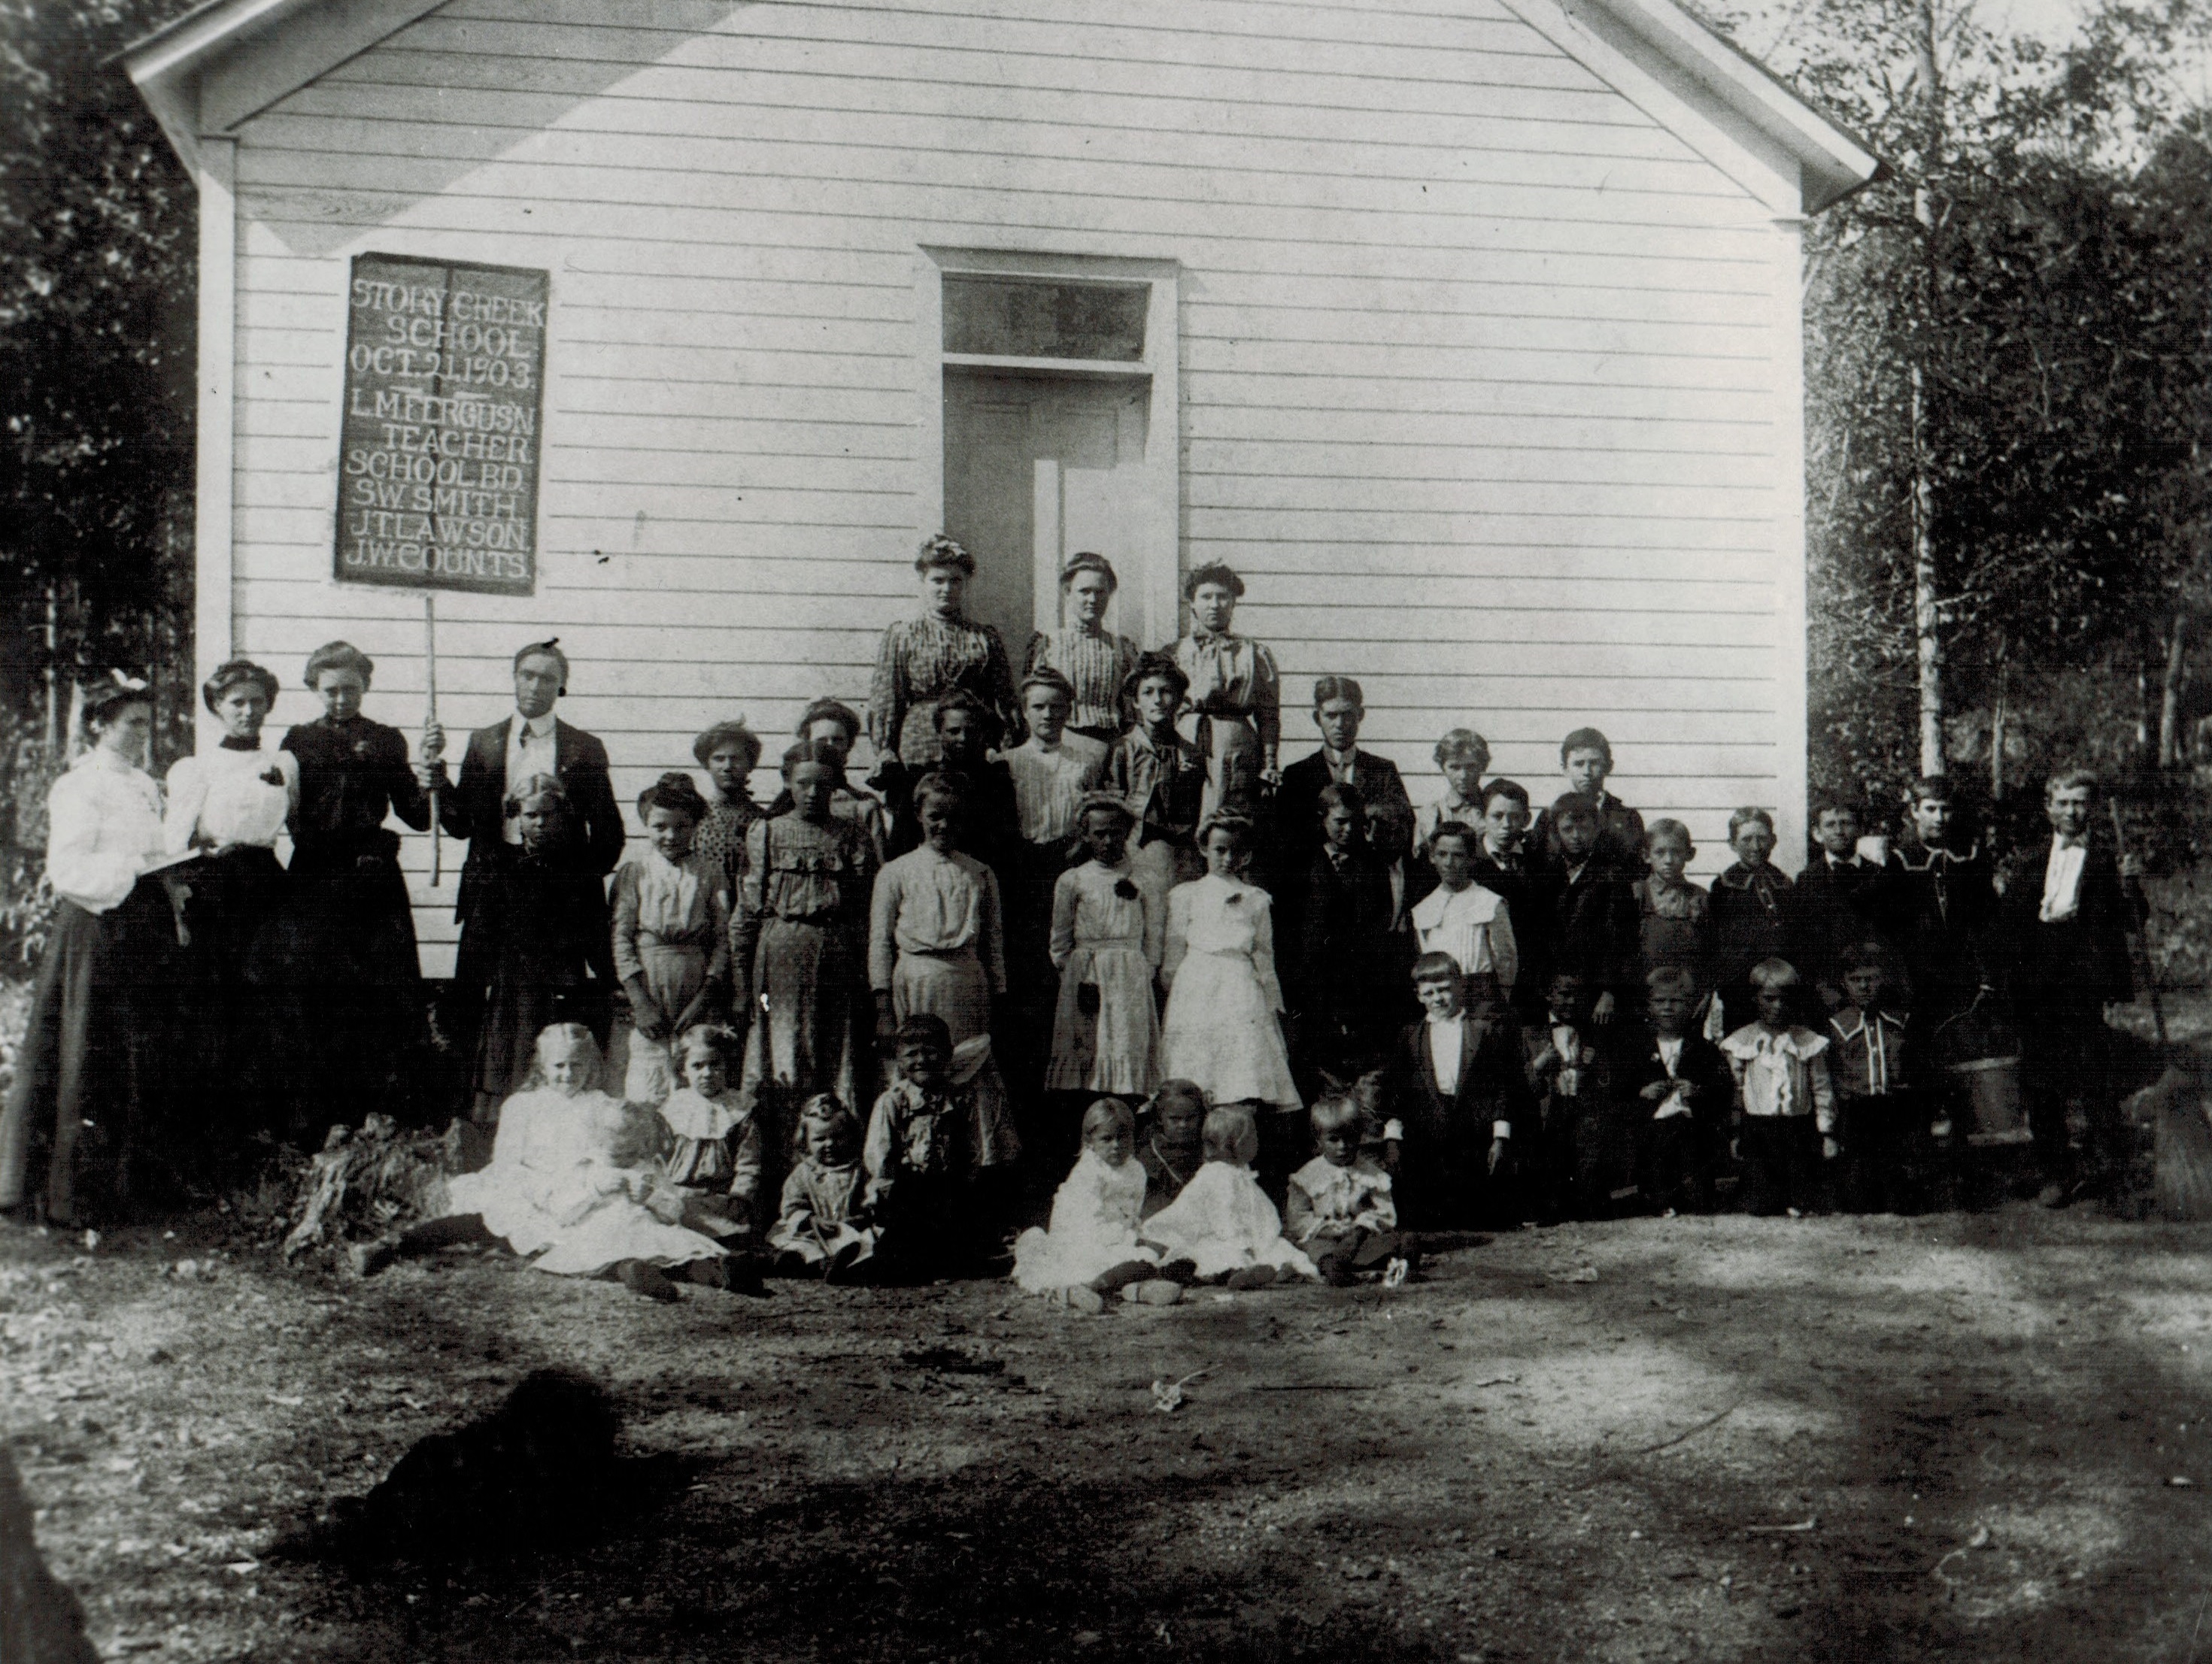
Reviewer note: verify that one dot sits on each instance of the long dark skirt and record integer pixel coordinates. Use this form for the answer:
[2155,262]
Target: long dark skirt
[88,1128]
[235,1082]
[351,1010]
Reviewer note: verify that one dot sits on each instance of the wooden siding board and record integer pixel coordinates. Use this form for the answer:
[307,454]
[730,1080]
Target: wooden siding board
[1457,320]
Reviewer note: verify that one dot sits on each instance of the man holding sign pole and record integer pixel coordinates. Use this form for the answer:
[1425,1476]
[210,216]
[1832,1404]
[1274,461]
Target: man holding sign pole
[531,741]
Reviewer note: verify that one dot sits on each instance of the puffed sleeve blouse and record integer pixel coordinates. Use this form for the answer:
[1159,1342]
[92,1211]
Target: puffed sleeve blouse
[104,826]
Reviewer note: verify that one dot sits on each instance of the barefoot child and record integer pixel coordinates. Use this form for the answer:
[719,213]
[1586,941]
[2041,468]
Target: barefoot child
[716,1154]
[1092,1248]
[1786,1124]
[1223,1223]
[1106,940]
[822,1227]
[1341,1212]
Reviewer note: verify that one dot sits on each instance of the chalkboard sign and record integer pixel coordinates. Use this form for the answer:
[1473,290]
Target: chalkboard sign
[438,448]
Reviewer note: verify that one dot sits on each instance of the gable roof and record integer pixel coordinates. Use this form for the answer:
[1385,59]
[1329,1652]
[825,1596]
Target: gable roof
[226,61]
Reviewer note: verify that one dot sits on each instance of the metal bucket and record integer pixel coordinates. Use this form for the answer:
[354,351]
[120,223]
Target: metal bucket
[1992,1085]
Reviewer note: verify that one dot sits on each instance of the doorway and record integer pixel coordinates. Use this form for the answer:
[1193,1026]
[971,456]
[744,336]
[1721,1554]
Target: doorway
[1038,468]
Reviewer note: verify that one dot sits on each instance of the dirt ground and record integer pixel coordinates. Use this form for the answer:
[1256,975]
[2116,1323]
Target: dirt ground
[1955,1437]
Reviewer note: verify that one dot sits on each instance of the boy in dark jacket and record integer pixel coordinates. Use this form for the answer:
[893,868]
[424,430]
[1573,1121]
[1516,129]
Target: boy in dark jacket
[1460,1096]
[1682,1092]
[1588,908]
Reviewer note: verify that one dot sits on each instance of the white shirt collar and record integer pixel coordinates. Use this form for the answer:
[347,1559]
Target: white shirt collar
[538,727]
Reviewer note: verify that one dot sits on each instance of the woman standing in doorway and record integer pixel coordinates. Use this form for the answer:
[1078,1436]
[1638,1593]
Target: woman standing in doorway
[78,1136]
[350,926]
[922,659]
[1236,713]
[1095,663]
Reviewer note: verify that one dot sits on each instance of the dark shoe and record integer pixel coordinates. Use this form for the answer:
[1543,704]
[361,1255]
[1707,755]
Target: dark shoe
[1252,1276]
[1336,1271]
[646,1282]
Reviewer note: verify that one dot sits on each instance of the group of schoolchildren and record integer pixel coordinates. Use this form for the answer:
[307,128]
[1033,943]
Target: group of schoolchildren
[1478,1020]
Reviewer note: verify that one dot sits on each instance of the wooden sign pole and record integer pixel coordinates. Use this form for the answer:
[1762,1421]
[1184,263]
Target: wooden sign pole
[430,715]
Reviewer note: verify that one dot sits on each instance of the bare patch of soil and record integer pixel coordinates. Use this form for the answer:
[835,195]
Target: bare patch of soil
[1954,1438]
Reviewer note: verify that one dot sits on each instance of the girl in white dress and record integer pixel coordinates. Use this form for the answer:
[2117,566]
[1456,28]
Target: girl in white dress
[1092,1248]
[1223,1028]
[1222,1223]
[576,1180]
[1106,940]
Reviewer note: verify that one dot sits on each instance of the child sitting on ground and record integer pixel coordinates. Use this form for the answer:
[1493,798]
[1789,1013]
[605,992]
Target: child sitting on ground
[1172,1147]
[1223,1223]
[1092,1248]
[1786,1122]
[717,1153]
[822,1228]
[929,1138]
[1340,1212]
[1683,1090]
[575,1180]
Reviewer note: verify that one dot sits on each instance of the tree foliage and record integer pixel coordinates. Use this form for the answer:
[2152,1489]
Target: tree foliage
[97,229]
[2038,251]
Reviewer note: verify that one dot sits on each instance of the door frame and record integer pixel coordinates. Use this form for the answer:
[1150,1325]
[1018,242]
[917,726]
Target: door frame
[1151,571]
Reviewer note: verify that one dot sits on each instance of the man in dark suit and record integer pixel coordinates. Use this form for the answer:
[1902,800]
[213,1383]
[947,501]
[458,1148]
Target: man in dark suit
[2068,917]
[1339,708]
[499,758]
[1462,1092]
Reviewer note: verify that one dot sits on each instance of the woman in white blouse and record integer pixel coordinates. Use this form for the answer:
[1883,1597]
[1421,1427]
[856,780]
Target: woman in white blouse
[77,1136]
[227,805]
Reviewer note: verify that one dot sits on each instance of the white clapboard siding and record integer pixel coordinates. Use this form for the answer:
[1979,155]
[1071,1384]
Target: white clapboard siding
[1479,375]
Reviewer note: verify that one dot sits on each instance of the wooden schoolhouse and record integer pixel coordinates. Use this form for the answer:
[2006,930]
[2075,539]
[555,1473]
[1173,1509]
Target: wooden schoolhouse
[1467,331]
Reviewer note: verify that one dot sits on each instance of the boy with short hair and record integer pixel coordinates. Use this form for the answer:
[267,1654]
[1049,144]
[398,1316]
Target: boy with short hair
[1590,903]
[1576,1078]
[928,1141]
[992,828]
[1752,913]
[1586,760]
[1339,706]
[1463,757]
[1836,902]
[1460,1090]
[1785,1124]
[1674,916]
[1877,1108]
[1682,1092]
